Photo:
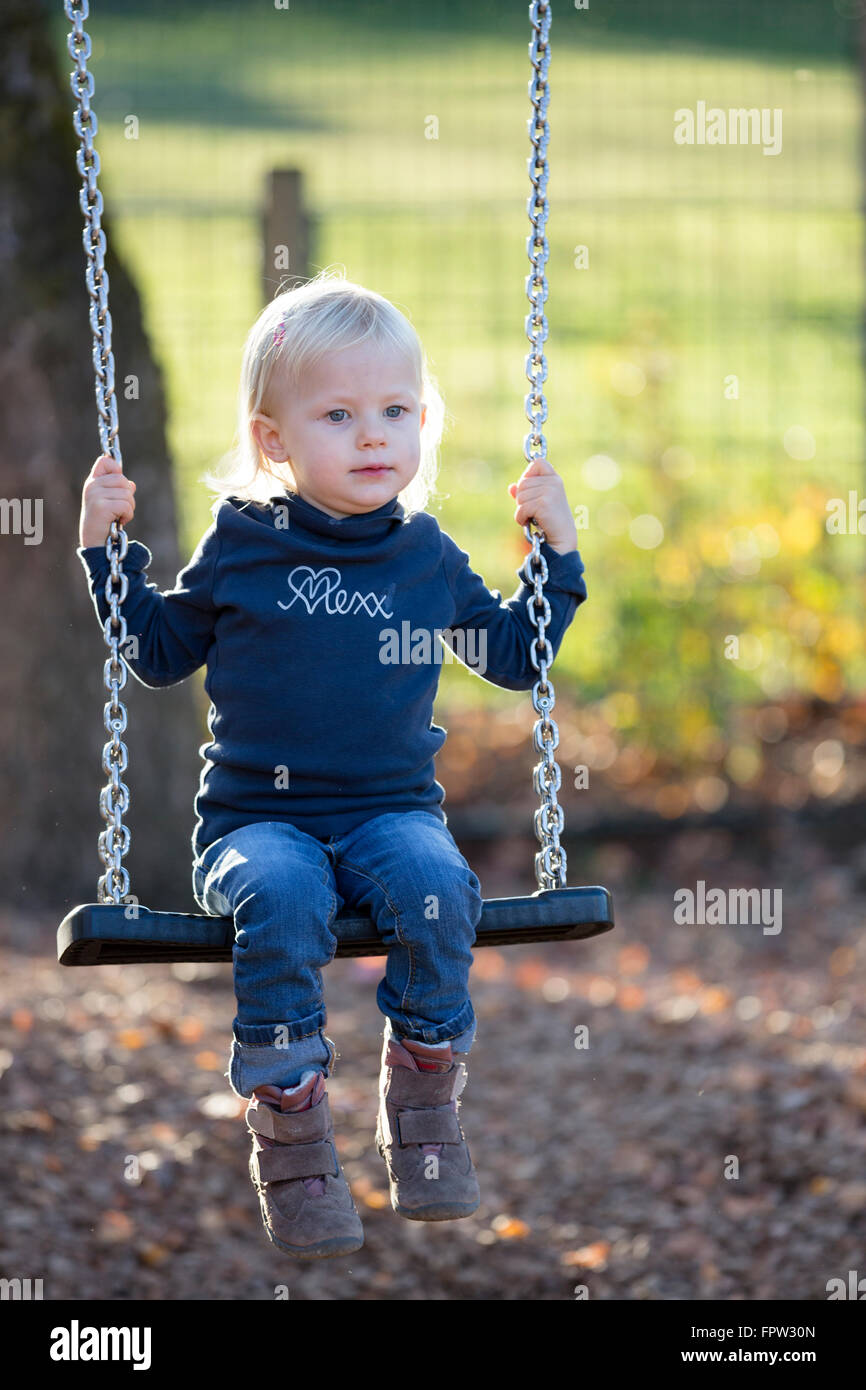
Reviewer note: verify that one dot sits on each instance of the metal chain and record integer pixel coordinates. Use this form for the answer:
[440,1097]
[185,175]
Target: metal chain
[550,860]
[113,885]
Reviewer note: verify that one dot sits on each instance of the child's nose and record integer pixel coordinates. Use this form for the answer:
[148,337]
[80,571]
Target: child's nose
[372,429]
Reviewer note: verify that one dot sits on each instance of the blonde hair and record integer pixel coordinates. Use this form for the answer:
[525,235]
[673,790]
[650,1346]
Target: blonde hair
[297,329]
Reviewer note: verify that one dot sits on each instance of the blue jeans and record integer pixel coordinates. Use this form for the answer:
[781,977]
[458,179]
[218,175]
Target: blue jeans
[284,888]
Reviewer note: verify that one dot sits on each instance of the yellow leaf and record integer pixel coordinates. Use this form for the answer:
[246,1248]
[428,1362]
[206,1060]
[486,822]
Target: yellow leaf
[631,998]
[115,1225]
[208,1061]
[588,1256]
[375,1199]
[633,959]
[509,1227]
[714,999]
[153,1255]
[189,1030]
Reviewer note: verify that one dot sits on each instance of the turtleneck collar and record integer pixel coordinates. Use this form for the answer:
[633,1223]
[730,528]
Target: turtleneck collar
[365,524]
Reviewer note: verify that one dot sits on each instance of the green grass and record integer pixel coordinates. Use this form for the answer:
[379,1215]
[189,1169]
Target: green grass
[705,263]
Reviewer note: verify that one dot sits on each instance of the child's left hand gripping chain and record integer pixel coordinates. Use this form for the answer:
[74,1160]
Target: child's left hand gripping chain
[540,494]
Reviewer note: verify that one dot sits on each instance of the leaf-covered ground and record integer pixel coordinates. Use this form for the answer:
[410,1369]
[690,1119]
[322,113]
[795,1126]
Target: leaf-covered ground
[708,1142]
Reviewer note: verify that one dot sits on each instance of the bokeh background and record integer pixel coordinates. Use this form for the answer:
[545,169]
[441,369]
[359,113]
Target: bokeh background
[705,398]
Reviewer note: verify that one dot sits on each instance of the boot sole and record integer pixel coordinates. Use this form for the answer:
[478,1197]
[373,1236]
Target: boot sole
[337,1245]
[444,1211]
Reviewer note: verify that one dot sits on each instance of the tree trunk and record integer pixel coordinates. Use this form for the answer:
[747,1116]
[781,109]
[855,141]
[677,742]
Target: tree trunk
[51,648]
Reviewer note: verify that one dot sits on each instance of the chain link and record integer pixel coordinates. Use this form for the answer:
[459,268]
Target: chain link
[550,860]
[113,885]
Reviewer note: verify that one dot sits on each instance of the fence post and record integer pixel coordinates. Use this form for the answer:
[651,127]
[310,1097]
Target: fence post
[285,232]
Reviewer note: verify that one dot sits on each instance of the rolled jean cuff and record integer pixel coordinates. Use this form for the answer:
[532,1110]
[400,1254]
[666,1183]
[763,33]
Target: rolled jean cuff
[465,1040]
[459,1030]
[250,1067]
[278,1034]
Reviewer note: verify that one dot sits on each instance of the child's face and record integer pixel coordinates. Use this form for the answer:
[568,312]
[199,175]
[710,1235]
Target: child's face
[358,407]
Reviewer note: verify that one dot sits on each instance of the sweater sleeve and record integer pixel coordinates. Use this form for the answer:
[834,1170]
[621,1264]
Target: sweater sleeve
[168,634]
[499,635]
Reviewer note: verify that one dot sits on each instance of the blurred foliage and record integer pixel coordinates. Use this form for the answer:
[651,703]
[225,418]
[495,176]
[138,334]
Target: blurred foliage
[705,375]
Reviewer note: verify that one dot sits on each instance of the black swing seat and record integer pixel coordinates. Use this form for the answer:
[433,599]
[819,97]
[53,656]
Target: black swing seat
[114,933]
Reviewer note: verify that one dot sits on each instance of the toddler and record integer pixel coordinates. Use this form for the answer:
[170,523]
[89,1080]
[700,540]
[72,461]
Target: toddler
[314,599]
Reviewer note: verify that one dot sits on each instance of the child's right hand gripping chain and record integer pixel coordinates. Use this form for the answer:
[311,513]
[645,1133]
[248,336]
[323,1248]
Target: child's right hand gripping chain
[107,495]
[540,495]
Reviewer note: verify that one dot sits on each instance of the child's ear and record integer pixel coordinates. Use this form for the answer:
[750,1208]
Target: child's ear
[256,431]
[266,434]
[423,415]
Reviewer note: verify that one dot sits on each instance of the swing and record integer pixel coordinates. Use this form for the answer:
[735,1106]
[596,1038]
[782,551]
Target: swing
[117,928]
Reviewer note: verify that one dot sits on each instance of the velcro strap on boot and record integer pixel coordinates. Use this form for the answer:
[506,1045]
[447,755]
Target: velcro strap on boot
[296,1161]
[291,1127]
[428,1127]
[405,1087]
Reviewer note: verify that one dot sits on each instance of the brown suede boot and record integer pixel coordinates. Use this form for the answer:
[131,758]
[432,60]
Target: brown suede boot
[306,1204]
[419,1135]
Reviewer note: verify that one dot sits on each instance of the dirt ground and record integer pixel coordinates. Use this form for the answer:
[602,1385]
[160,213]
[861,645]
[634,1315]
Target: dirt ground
[708,1143]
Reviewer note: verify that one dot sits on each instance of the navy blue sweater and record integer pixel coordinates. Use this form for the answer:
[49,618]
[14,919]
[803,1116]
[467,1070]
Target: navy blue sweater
[321,637]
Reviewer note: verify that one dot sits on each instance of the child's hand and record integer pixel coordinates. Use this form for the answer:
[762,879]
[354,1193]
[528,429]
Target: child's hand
[540,493]
[106,495]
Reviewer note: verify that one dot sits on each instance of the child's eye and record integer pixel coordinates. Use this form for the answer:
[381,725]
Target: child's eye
[340,411]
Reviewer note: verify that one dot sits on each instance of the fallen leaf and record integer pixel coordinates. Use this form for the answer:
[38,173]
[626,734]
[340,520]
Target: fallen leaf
[163,1133]
[31,1120]
[208,1061]
[489,964]
[530,974]
[851,1196]
[189,1030]
[153,1255]
[509,1227]
[685,981]
[588,1256]
[115,1226]
[714,999]
[375,1199]
[631,998]
[819,1185]
[633,959]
